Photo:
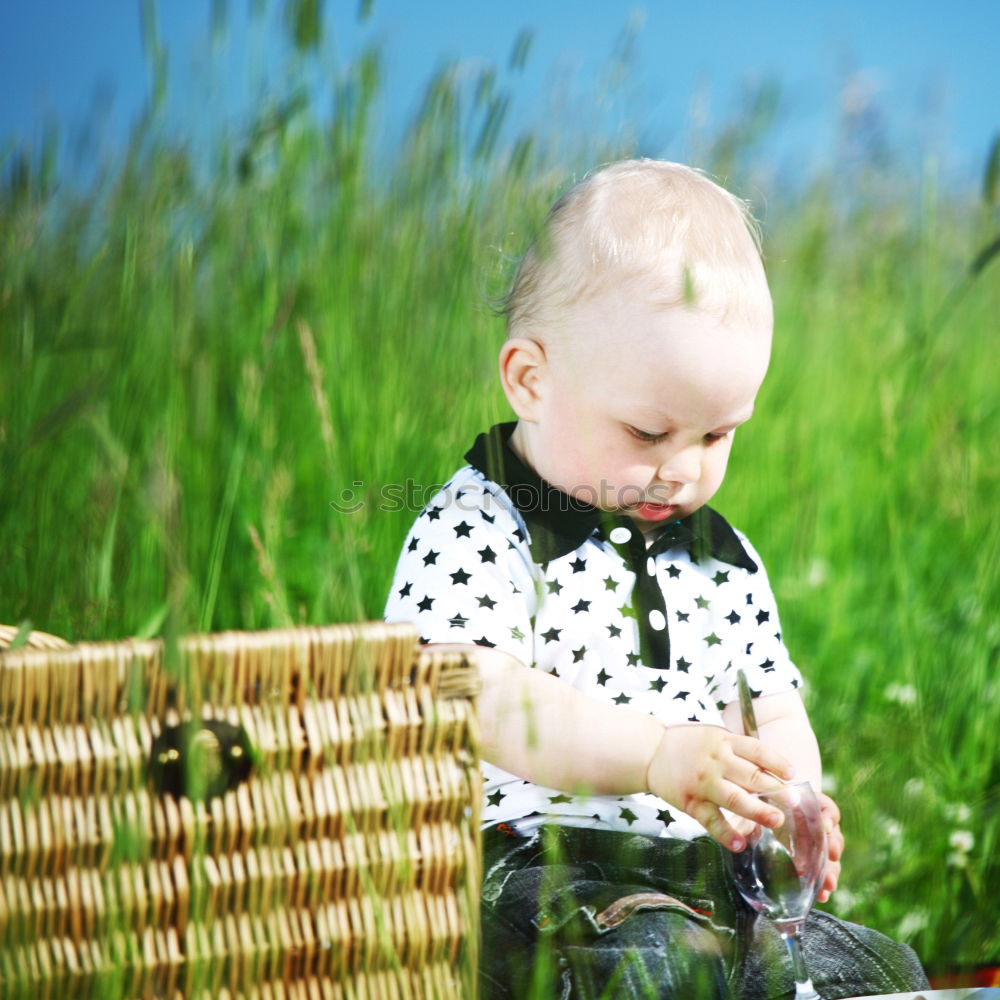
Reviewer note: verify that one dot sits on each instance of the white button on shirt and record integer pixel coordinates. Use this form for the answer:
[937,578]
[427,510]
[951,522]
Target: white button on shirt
[467,574]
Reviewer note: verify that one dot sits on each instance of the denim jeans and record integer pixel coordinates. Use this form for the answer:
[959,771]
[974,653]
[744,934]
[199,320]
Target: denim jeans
[587,914]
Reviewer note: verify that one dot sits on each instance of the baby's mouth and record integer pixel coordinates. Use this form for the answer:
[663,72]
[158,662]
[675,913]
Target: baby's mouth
[655,511]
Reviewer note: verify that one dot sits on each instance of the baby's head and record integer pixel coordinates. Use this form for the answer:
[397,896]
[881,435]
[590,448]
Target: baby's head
[661,228]
[639,328]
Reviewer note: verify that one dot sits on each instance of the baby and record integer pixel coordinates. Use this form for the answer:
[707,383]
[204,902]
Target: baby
[613,610]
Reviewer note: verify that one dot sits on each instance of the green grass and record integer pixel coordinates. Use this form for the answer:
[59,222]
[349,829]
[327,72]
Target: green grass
[198,360]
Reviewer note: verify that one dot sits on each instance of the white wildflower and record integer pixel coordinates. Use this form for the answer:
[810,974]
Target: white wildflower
[915,788]
[892,829]
[959,812]
[961,841]
[829,783]
[958,860]
[902,694]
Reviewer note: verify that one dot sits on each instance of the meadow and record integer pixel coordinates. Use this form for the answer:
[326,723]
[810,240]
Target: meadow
[206,359]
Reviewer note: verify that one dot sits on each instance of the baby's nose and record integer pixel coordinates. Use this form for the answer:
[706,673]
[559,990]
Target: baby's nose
[683,466]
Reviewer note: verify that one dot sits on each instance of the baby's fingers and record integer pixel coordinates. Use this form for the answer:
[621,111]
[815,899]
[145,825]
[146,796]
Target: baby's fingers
[767,765]
[756,768]
[719,828]
[835,844]
[830,880]
[749,807]
[730,814]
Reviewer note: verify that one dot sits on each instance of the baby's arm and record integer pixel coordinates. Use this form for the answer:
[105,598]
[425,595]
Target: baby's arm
[784,725]
[538,727]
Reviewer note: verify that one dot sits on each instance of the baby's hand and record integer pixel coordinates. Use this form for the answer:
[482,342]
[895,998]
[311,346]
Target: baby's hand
[705,769]
[834,844]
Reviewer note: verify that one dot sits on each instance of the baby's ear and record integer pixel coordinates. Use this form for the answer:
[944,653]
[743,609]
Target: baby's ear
[522,374]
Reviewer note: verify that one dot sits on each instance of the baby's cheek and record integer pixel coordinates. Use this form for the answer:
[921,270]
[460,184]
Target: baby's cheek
[612,489]
[636,479]
[718,462]
[631,488]
[581,475]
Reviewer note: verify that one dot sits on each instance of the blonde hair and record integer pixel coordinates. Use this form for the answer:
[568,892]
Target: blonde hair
[686,240]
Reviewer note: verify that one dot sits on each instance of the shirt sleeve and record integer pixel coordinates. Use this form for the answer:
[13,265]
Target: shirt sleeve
[763,655]
[464,574]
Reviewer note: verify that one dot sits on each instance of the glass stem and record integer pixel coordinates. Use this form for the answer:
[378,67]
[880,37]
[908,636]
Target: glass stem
[804,989]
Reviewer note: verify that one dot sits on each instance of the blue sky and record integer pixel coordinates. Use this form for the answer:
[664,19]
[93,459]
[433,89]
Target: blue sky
[928,73]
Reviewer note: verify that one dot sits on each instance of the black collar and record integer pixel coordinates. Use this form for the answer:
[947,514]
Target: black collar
[559,524]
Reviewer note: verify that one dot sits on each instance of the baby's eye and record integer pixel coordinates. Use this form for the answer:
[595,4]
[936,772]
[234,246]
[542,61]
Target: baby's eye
[712,438]
[647,436]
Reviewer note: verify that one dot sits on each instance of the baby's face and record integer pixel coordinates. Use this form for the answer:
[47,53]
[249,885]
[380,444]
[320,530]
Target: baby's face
[638,405]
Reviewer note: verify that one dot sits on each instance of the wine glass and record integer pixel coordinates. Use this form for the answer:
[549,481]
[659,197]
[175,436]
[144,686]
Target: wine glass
[780,871]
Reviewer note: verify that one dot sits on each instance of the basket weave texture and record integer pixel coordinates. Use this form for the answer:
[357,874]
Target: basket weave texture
[345,865]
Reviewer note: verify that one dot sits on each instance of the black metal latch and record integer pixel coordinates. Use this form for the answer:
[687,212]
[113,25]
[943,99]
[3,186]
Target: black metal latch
[200,759]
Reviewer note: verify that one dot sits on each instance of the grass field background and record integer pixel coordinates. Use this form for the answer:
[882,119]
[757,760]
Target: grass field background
[201,354]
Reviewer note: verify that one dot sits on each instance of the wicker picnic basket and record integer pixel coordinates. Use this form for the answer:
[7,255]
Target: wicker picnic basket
[280,814]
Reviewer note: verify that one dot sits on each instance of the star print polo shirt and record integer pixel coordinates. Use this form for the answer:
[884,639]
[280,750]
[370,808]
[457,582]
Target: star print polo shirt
[501,558]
